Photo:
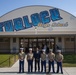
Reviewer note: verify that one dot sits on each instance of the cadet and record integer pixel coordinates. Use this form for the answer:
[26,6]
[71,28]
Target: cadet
[59,60]
[51,58]
[30,60]
[21,60]
[37,59]
[43,60]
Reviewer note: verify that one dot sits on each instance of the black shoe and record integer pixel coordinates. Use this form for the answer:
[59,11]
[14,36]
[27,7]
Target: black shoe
[48,72]
[23,72]
[31,71]
[53,72]
[57,72]
[61,72]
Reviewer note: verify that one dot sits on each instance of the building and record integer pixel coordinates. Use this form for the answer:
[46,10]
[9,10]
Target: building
[37,26]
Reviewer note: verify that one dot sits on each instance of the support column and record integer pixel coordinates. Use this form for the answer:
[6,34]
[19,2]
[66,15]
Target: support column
[14,46]
[11,43]
[63,46]
[17,45]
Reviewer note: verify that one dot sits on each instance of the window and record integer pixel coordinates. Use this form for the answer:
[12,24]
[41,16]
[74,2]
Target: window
[72,39]
[14,40]
[4,39]
[67,39]
[1,39]
[59,39]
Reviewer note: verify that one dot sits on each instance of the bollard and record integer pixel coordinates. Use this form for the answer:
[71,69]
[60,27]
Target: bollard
[9,61]
[15,58]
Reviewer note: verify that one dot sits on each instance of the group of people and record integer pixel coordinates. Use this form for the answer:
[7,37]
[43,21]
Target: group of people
[40,60]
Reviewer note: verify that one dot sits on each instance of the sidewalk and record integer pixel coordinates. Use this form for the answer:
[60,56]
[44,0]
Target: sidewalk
[14,70]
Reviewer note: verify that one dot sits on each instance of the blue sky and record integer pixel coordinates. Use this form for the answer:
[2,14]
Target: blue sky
[9,5]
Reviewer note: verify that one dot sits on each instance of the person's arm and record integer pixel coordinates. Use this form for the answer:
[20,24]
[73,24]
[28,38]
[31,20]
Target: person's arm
[33,56]
[62,58]
[19,56]
[23,56]
[54,56]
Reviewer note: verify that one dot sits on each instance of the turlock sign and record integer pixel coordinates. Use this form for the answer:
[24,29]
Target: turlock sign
[44,17]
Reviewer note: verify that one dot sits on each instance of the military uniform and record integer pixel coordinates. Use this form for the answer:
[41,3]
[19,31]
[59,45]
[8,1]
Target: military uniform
[59,59]
[51,58]
[21,61]
[30,61]
[37,60]
[43,61]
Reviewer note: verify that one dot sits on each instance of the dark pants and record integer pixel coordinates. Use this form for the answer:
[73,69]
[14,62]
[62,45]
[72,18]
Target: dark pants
[37,65]
[59,64]
[51,63]
[43,64]
[30,65]
[21,66]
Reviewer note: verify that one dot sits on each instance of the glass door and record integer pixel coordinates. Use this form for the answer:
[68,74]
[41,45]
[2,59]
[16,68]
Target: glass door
[40,42]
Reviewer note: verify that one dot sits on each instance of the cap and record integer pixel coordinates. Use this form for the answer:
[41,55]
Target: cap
[51,50]
[43,50]
[30,49]
[21,48]
[58,50]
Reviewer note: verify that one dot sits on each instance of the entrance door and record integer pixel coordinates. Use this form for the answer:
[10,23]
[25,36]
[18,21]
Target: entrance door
[40,42]
[46,43]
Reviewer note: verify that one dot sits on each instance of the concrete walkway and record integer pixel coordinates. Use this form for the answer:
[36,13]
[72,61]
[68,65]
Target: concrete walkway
[15,68]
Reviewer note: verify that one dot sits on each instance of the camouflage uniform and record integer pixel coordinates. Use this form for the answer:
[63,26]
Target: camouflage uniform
[21,61]
[30,61]
[51,58]
[59,59]
[43,61]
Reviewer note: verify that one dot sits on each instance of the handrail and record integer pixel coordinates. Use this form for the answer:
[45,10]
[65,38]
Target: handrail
[8,60]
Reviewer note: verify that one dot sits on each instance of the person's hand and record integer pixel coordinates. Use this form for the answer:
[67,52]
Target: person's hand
[60,60]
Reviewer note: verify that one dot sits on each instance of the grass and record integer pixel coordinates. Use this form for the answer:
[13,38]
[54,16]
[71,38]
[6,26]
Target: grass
[7,60]
[69,60]
[69,64]
[4,57]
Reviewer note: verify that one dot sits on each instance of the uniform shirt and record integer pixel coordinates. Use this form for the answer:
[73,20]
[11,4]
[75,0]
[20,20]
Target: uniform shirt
[59,57]
[43,56]
[21,56]
[30,56]
[51,56]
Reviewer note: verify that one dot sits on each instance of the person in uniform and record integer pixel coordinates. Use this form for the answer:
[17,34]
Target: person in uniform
[30,60]
[21,60]
[43,60]
[37,59]
[51,58]
[59,60]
